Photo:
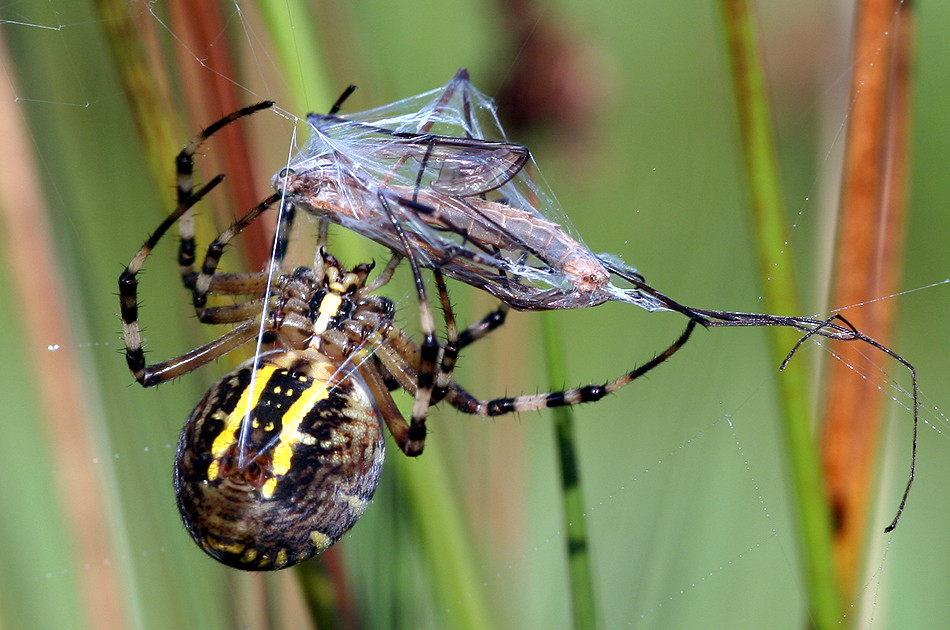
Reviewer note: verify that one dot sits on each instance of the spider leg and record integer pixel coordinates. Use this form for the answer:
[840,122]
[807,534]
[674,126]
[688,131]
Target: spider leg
[236,283]
[455,341]
[185,166]
[450,351]
[232,313]
[285,224]
[205,278]
[399,355]
[490,322]
[465,402]
[385,275]
[128,284]
[177,366]
[367,344]
[253,283]
[395,422]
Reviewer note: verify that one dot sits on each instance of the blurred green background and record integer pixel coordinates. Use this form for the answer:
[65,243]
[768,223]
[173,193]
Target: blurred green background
[688,508]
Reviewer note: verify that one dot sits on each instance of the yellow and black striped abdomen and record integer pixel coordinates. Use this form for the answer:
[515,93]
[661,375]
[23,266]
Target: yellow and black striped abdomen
[274,465]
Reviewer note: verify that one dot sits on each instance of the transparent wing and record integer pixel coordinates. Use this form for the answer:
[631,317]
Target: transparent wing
[450,165]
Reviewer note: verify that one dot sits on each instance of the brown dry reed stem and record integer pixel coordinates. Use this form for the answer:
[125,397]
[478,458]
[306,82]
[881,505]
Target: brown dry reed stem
[31,259]
[210,92]
[870,247]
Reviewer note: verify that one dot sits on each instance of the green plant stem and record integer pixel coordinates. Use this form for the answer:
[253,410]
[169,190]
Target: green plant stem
[137,77]
[583,606]
[445,543]
[295,38]
[768,215]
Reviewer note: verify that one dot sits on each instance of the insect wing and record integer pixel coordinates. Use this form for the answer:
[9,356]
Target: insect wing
[438,166]
[475,167]
[463,167]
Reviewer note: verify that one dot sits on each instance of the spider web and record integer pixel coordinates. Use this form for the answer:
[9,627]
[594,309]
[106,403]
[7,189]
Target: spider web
[683,472]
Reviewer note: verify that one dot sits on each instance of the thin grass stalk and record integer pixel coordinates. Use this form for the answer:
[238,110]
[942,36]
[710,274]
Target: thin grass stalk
[293,32]
[580,578]
[444,539]
[869,246]
[296,40]
[318,590]
[768,214]
[211,91]
[149,109]
[32,259]
[446,543]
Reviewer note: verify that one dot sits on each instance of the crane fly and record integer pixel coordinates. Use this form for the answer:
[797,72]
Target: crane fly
[434,179]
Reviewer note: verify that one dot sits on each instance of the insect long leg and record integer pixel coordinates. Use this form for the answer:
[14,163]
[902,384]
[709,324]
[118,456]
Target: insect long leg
[339,102]
[429,350]
[637,281]
[461,78]
[843,332]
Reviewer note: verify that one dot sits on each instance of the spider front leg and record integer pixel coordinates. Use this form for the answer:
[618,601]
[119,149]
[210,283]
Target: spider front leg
[220,283]
[148,375]
[429,350]
[209,281]
[128,286]
[185,166]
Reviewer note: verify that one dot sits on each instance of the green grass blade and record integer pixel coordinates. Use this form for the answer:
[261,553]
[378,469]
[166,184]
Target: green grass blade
[768,212]
[444,540]
[581,581]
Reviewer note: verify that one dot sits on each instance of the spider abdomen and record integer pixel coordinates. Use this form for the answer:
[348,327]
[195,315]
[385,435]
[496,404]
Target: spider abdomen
[275,464]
